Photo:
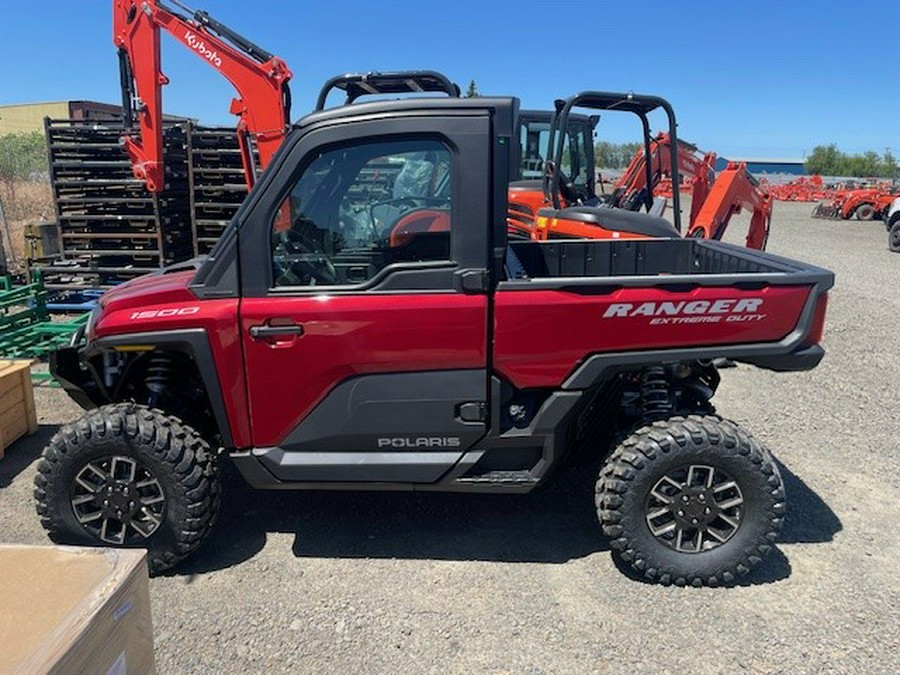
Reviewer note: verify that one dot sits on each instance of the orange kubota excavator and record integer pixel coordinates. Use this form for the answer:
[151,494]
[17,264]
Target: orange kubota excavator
[262,106]
[632,189]
[263,110]
[712,207]
[714,200]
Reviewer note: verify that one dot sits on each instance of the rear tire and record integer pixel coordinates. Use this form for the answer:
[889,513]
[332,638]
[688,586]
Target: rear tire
[691,501]
[128,476]
[865,212]
[894,237]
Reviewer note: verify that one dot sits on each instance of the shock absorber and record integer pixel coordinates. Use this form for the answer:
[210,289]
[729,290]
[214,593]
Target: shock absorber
[159,371]
[656,400]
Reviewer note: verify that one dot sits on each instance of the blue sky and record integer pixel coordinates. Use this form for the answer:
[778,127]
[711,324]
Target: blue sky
[749,79]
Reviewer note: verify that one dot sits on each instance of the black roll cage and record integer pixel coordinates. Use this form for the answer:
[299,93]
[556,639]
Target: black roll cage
[356,85]
[637,104]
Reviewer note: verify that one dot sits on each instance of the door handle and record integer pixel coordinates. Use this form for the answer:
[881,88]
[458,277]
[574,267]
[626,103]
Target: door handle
[267,331]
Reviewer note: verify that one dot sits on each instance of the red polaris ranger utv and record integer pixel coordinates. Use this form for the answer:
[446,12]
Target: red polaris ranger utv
[364,323]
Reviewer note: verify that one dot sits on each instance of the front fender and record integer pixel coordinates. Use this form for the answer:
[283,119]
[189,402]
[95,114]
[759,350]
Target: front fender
[74,368]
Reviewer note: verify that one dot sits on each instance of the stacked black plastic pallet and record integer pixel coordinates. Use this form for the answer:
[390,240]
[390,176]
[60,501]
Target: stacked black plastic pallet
[217,184]
[111,228]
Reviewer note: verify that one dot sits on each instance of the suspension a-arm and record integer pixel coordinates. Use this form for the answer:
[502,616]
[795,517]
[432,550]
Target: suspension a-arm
[735,188]
[261,80]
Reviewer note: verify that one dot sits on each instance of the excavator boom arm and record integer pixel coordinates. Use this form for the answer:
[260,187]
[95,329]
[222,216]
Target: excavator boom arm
[260,79]
[633,183]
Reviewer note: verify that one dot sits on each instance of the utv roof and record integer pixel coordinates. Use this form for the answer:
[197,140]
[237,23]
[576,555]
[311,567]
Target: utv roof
[421,103]
[355,85]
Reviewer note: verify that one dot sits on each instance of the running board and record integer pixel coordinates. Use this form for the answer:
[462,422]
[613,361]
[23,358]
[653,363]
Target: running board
[499,478]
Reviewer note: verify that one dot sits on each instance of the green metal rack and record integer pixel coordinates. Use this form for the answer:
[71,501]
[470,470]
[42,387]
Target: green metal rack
[26,327]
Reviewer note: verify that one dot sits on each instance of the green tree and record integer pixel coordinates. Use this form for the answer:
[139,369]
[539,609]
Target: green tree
[825,160]
[829,161]
[614,155]
[21,155]
[889,165]
[472,91]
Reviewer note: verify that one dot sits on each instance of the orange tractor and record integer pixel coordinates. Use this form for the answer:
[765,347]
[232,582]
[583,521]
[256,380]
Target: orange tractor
[864,204]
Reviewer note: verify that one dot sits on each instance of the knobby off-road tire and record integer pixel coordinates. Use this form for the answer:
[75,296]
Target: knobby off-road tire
[894,237]
[129,476]
[702,476]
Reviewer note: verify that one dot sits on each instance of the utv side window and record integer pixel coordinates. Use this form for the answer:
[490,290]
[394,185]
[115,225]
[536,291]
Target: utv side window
[357,209]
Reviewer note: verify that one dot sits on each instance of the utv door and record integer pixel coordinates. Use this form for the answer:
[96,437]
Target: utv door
[366,359]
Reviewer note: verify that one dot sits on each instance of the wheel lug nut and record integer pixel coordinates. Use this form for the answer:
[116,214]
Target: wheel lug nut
[707,510]
[702,498]
[681,514]
[105,502]
[694,521]
[685,499]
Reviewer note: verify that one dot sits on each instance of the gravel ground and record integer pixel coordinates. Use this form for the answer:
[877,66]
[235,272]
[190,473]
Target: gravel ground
[335,582]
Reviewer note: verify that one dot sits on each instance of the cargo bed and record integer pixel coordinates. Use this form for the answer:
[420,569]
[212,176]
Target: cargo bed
[606,303]
[704,261]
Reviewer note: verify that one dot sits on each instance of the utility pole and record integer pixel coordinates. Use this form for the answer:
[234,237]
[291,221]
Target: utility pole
[889,154]
[4,267]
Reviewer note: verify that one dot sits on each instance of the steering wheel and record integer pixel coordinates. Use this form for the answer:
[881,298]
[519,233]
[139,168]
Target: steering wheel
[305,262]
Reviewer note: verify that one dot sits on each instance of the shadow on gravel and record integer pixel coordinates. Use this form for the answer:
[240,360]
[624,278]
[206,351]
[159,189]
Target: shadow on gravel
[23,452]
[554,524]
[809,519]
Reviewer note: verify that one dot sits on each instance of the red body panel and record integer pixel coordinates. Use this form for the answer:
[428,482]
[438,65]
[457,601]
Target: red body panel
[542,336]
[347,335]
[134,308]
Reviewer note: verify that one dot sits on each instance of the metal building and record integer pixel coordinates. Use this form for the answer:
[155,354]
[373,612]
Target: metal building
[27,117]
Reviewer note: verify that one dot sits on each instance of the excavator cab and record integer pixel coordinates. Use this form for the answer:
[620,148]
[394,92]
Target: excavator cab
[526,195]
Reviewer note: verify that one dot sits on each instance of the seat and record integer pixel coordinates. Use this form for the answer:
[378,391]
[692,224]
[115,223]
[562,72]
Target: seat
[419,222]
[617,220]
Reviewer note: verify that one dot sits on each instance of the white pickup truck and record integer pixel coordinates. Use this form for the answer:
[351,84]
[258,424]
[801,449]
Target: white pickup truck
[892,222]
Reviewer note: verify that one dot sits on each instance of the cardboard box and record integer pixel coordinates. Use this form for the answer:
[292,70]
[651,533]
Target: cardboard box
[74,610]
[17,414]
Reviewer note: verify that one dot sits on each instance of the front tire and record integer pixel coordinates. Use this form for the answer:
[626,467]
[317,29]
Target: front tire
[691,501]
[894,237]
[865,212]
[126,475]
